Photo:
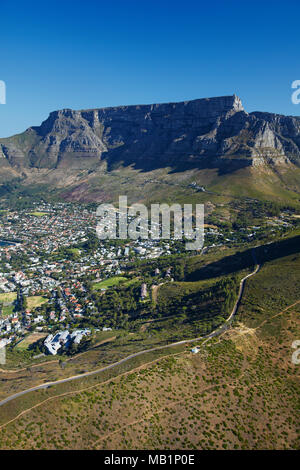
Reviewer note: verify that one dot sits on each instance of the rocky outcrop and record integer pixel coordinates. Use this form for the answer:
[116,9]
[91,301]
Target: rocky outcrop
[199,133]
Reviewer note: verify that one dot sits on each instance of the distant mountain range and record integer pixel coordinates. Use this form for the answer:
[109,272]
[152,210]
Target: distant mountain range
[198,134]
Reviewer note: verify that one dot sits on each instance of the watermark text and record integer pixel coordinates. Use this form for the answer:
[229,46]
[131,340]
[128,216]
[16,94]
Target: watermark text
[2,92]
[135,222]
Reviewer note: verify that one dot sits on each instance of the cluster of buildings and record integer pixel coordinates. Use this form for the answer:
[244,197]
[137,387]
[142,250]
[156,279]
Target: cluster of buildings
[41,254]
[31,264]
[64,338]
[10,324]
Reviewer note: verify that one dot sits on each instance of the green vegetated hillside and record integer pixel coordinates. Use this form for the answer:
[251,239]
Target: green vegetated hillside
[240,392]
[265,183]
[172,311]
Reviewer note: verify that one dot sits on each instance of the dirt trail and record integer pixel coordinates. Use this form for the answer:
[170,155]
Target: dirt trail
[155,292]
[87,388]
[277,314]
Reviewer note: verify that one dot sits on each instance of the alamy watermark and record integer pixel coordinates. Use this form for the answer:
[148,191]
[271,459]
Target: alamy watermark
[2,92]
[2,354]
[135,222]
[296,94]
[296,354]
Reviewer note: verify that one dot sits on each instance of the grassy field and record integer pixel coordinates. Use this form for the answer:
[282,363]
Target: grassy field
[38,214]
[75,251]
[35,301]
[30,339]
[7,310]
[8,297]
[112,281]
[32,302]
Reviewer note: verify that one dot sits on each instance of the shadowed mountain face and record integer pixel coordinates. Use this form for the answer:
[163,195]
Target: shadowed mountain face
[204,133]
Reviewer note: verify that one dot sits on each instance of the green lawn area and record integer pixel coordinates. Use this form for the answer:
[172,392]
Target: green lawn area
[8,297]
[7,310]
[38,214]
[30,339]
[35,301]
[74,251]
[130,281]
[112,281]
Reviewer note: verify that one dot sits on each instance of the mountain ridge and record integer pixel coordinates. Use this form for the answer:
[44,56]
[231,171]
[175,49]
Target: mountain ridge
[77,151]
[195,132]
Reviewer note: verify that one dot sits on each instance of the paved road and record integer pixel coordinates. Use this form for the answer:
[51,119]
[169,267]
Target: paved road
[217,332]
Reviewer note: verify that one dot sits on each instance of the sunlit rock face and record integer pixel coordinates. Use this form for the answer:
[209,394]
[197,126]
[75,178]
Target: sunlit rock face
[198,133]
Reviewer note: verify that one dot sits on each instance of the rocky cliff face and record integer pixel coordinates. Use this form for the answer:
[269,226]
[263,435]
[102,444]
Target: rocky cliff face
[199,133]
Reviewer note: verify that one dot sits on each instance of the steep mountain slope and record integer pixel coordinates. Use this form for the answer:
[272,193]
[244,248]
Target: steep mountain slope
[152,136]
[212,133]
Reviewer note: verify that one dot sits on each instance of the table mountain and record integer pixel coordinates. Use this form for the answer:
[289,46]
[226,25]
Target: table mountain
[155,152]
[203,132]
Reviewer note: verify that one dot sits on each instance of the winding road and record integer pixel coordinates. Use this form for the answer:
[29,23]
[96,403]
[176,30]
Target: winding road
[214,333]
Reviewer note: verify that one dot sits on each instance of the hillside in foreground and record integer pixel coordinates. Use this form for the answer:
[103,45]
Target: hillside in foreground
[240,392]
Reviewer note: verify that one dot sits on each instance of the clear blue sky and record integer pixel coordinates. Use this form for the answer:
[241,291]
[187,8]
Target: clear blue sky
[88,54]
